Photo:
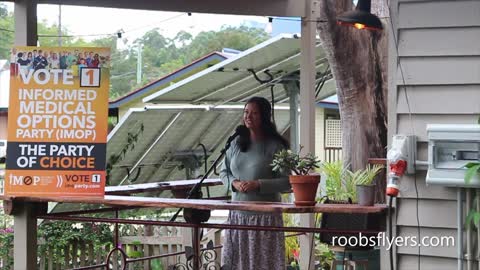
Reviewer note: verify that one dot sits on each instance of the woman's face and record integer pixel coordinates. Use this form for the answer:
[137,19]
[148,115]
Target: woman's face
[252,117]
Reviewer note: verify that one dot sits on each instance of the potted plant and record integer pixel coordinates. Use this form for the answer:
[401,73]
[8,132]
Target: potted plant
[364,187]
[337,187]
[341,187]
[303,183]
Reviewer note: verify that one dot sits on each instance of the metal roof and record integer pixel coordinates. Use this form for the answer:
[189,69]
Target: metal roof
[329,103]
[202,63]
[152,144]
[232,81]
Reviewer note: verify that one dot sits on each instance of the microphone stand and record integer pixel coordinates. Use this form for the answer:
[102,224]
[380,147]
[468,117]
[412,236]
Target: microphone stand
[198,216]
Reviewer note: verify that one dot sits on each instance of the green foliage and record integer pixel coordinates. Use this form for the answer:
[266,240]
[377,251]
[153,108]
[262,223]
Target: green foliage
[335,188]
[473,216]
[292,246]
[323,253]
[132,252]
[6,246]
[6,37]
[288,161]
[160,55]
[6,237]
[156,264]
[341,184]
[473,168]
[366,176]
[61,234]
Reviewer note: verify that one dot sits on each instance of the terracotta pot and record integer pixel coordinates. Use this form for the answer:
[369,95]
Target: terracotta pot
[304,189]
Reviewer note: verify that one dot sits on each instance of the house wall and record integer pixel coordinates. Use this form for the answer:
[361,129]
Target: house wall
[321,115]
[439,72]
[320,132]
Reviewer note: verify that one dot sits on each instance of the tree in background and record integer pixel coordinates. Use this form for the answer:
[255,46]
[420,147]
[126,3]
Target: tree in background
[6,37]
[358,59]
[160,55]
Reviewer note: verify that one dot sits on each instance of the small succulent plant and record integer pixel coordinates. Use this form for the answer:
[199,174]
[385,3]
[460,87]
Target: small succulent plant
[289,161]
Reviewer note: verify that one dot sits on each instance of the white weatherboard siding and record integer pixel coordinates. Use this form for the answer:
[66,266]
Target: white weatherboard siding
[439,53]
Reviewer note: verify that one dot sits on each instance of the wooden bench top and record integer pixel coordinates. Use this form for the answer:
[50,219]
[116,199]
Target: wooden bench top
[114,200]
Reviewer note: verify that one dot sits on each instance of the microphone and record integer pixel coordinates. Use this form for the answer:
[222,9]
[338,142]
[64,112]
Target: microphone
[240,130]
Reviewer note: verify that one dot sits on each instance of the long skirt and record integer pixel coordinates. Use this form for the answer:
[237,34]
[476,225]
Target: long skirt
[254,250]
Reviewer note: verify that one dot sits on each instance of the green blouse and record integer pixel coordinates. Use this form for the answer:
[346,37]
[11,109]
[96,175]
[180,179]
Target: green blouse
[254,164]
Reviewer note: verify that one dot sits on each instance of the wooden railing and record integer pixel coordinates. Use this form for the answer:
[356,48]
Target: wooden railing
[76,254]
[143,241]
[333,154]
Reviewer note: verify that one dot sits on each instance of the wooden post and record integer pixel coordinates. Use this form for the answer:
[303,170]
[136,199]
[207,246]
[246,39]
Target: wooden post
[25,221]
[25,234]
[293,93]
[307,113]
[25,13]
[147,248]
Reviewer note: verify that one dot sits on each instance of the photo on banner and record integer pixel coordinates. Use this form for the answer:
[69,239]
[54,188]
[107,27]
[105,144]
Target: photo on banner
[57,121]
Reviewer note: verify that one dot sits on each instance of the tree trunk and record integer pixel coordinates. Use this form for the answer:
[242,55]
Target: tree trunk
[358,59]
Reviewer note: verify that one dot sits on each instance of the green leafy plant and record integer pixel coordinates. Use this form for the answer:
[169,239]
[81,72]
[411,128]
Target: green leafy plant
[473,168]
[59,235]
[6,247]
[156,264]
[132,252]
[335,188]
[323,253]
[292,246]
[366,176]
[473,216]
[289,161]
[341,184]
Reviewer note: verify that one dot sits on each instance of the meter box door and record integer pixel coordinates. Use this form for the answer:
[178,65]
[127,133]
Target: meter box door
[450,148]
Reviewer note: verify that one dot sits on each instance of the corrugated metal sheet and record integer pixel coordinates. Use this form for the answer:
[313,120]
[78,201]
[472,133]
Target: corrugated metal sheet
[153,142]
[232,81]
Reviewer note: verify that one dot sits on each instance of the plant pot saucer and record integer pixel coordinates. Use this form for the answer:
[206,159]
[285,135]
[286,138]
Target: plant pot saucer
[305,203]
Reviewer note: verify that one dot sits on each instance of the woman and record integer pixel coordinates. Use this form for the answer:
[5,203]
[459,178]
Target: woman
[95,62]
[246,170]
[54,61]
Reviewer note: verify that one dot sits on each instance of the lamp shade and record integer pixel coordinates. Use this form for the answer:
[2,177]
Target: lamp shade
[361,18]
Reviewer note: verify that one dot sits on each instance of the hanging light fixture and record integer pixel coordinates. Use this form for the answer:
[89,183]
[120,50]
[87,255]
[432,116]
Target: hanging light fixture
[361,18]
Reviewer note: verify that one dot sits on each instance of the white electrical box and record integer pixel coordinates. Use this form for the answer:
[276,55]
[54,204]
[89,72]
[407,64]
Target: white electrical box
[450,148]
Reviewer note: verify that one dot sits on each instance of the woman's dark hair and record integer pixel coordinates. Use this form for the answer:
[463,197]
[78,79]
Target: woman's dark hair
[269,129]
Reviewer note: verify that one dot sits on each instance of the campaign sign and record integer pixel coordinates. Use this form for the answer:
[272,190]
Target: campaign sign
[57,122]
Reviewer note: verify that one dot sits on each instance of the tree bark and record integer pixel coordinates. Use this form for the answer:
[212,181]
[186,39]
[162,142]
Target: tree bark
[358,60]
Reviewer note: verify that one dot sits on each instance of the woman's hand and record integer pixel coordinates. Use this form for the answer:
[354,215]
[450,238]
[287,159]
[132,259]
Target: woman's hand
[250,185]
[237,184]
[246,186]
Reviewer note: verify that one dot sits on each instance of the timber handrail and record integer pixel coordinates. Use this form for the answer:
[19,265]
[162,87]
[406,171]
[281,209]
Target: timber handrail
[114,200]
